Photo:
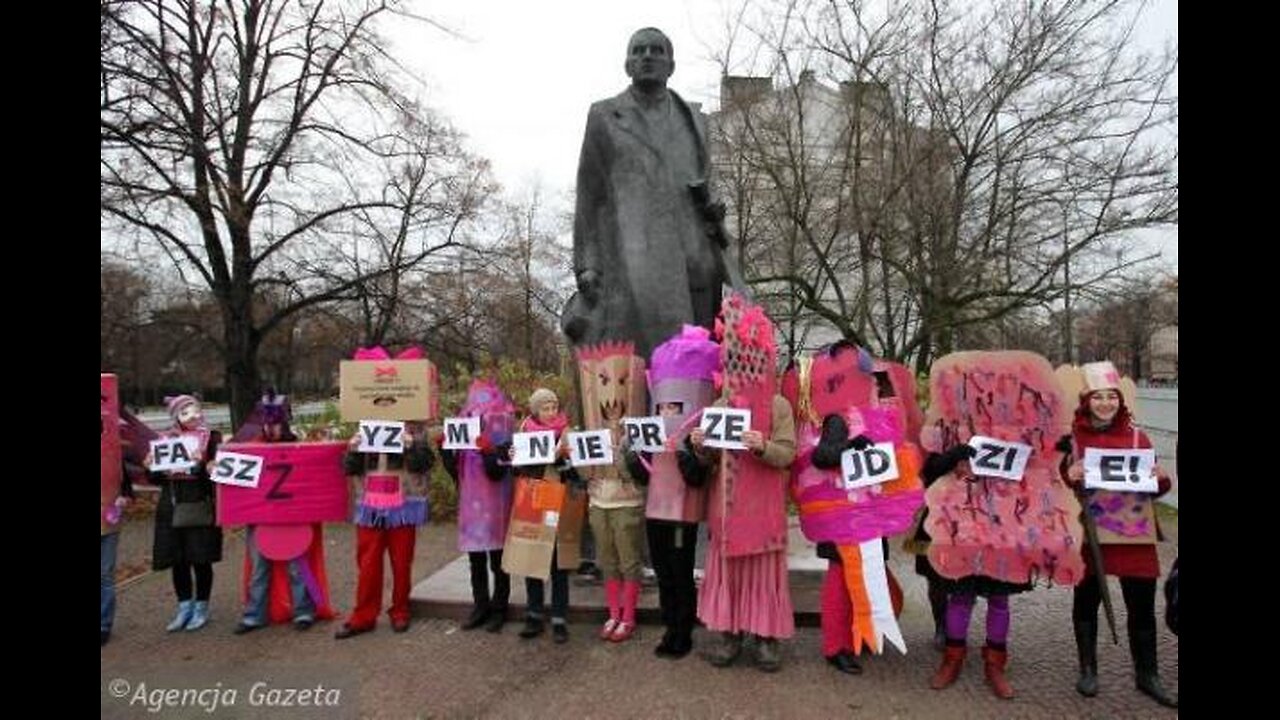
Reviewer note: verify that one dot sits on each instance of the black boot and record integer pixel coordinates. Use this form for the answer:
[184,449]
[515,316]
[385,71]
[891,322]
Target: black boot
[501,593]
[533,627]
[479,615]
[1087,651]
[479,591]
[1142,644]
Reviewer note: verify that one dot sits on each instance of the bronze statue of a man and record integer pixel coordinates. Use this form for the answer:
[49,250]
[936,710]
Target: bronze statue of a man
[642,257]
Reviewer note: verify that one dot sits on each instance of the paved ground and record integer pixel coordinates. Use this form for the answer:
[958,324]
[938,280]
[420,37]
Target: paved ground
[437,671]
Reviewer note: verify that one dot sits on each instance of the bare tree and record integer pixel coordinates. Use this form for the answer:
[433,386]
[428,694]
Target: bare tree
[228,133]
[983,149]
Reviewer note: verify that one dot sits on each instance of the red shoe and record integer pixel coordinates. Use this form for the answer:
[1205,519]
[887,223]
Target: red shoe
[952,662]
[606,631]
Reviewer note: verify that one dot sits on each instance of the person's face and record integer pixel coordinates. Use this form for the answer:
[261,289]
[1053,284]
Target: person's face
[670,409]
[649,59]
[1104,404]
[548,411]
[273,431]
[188,414]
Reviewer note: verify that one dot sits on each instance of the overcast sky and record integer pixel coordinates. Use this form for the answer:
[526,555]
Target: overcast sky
[520,78]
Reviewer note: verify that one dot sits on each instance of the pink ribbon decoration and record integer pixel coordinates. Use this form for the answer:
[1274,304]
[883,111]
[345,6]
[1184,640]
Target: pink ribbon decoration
[380,353]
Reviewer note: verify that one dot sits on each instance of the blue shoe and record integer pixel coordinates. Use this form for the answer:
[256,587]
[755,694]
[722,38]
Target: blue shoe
[182,618]
[199,615]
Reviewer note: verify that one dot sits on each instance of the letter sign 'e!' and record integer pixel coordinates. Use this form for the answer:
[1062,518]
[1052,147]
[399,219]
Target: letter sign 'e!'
[1120,470]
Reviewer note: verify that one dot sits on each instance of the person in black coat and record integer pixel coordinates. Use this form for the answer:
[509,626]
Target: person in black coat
[187,540]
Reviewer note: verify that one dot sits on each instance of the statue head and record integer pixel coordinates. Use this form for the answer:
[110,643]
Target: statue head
[650,58]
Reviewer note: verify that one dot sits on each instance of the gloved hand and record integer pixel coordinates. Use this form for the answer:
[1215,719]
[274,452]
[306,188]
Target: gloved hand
[939,464]
[639,473]
[694,474]
[862,442]
[449,459]
[833,441]
[569,474]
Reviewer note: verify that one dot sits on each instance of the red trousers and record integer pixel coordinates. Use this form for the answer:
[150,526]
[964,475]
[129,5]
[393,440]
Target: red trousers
[837,611]
[371,543]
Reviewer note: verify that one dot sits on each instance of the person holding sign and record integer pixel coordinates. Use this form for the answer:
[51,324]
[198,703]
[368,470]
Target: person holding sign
[389,494]
[612,389]
[855,482]
[681,383]
[746,589]
[269,423]
[186,539]
[484,499]
[1126,532]
[545,416]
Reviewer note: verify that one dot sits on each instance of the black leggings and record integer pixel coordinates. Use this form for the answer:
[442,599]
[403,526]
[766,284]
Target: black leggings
[1139,601]
[182,580]
[672,546]
[481,563]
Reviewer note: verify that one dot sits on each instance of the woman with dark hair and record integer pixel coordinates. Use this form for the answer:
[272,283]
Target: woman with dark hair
[1102,420]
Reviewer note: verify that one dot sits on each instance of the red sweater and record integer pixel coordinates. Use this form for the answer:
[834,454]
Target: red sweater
[1138,561]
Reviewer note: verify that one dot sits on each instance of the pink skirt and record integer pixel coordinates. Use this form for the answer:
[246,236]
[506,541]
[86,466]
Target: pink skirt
[747,594]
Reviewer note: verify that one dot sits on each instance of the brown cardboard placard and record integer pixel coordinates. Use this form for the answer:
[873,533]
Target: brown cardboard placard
[530,540]
[387,390]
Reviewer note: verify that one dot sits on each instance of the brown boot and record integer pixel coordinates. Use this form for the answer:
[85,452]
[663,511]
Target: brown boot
[994,661]
[952,662]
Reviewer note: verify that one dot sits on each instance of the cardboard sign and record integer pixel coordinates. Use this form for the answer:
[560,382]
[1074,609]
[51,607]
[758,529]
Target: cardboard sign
[573,515]
[299,483]
[1120,470]
[382,436]
[531,541]
[386,389]
[872,466]
[239,469]
[724,427]
[172,454]
[111,453]
[997,458]
[534,448]
[461,433]
[647,434]
[593,447]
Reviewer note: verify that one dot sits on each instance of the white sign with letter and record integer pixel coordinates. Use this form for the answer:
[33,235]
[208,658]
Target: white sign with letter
[998,458]
[382,436]
[1120,470]
[591,447]
[723,427]
[872,466]
[534,448]
[646,434]
[239,469]
[461,433]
